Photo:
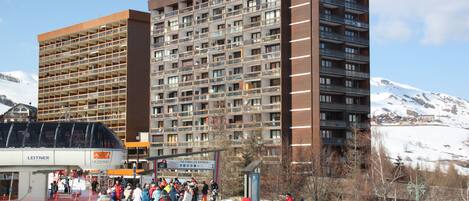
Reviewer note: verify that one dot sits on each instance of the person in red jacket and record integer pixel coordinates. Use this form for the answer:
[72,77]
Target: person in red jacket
[118,188]
[289,197]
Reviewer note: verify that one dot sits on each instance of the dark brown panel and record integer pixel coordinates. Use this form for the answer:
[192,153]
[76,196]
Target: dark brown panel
[302,100]
[299,83]
[300,48]
[301,66]
[301,118]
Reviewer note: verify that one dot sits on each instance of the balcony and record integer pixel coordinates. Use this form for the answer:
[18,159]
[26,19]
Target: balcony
[331,36]
[356,7]
[333,2]
[347,107]
[332,19]
[343,72]
[332,53]
[357,57]
[357,40]
[333,123]
[356,23]
[333,141]
[347,90]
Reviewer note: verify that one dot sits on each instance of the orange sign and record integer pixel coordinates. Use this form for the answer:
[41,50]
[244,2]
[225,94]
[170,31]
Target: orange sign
[101,155]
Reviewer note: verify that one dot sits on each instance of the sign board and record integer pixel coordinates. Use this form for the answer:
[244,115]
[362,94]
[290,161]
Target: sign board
[101,155]
[38,158]
[191,164]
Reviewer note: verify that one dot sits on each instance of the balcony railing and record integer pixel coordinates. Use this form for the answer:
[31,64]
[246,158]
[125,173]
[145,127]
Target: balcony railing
[332,18]
[339,71]
[333,141]
[341,89]
[333,53]
[356,6]
[357,57]
[356,23]
[333,123]
[332,36]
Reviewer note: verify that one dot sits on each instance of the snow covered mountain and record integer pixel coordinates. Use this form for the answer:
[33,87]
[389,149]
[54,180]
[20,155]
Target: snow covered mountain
[17,87]
[422,127]
[400,103]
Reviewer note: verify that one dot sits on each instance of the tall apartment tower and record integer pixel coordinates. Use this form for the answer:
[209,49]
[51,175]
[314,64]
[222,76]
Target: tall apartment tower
[293,73]
[98,71]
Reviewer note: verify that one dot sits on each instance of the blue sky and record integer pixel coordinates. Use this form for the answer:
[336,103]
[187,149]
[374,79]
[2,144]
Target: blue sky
[423,43]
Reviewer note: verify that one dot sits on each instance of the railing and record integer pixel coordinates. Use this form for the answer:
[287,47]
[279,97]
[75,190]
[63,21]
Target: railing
[332,18]
[333,53]
[340,71]
[357,40]
[356,23]
[333,141]
[356,6]
[333,123]
[342,89]
[357,57]
[332,36]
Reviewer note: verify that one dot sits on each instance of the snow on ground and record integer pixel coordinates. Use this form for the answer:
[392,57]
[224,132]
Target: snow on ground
[426,145]
[23,92]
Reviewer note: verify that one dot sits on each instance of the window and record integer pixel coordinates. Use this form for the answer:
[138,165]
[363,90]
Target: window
[325,81]
[353,118]
[348,83]
[238,70]
[256,51]
[349,101]
[272,48]
[204,137]
[274,65]
[326,134]
[351,50]
[326,63]
[275,134]
[187,123]
[158,55]
[256,18]
[172,138]
[275,82]
[253,102]
[218,88]
[351,33]
[172,108]
[323,116]
[255,68]
[174,151]
[256,35]
[186,78]
[325,99]
[174,65]
[275,116]
[325,28]
[272,16]
[159,152]
[237,135]
[160,81]
[161,67]
[173,80]
[274,31]
[274,99]
[204,30]
[186,107]
[217,73]
[237,102]
[350,67]
[174,123]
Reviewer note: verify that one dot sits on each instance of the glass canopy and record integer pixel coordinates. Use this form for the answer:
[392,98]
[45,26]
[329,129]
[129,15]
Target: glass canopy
[57,135]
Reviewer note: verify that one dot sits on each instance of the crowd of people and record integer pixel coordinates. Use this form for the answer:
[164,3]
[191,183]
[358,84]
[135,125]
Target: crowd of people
[161,190]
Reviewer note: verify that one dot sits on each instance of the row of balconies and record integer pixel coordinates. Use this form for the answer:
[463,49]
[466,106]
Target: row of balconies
[239,44]
[187,10]
[348,5]
[97,83]
[222,61]
[87,50]
[262,23]
[228,126]
[207,143]
[94,95]
[342,55]
[341,124]
[228,94]
[343,38]
[87,108]
[343,72]
[101,118]
[86,73]
[230,78]
[85,61]
[343,89]
[228,110]
[78,41]
[341,20]
[348,107]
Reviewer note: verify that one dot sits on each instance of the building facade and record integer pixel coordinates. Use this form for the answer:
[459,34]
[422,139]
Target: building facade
[97,71]
[20,113]
[294,74]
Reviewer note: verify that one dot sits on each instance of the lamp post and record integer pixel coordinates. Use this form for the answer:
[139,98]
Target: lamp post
[416,188]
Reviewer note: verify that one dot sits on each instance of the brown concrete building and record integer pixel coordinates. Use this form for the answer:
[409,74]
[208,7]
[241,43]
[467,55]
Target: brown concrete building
[292,73]
[97,71]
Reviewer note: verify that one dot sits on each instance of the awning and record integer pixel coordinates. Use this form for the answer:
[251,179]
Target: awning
[123,172]
[137,144]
